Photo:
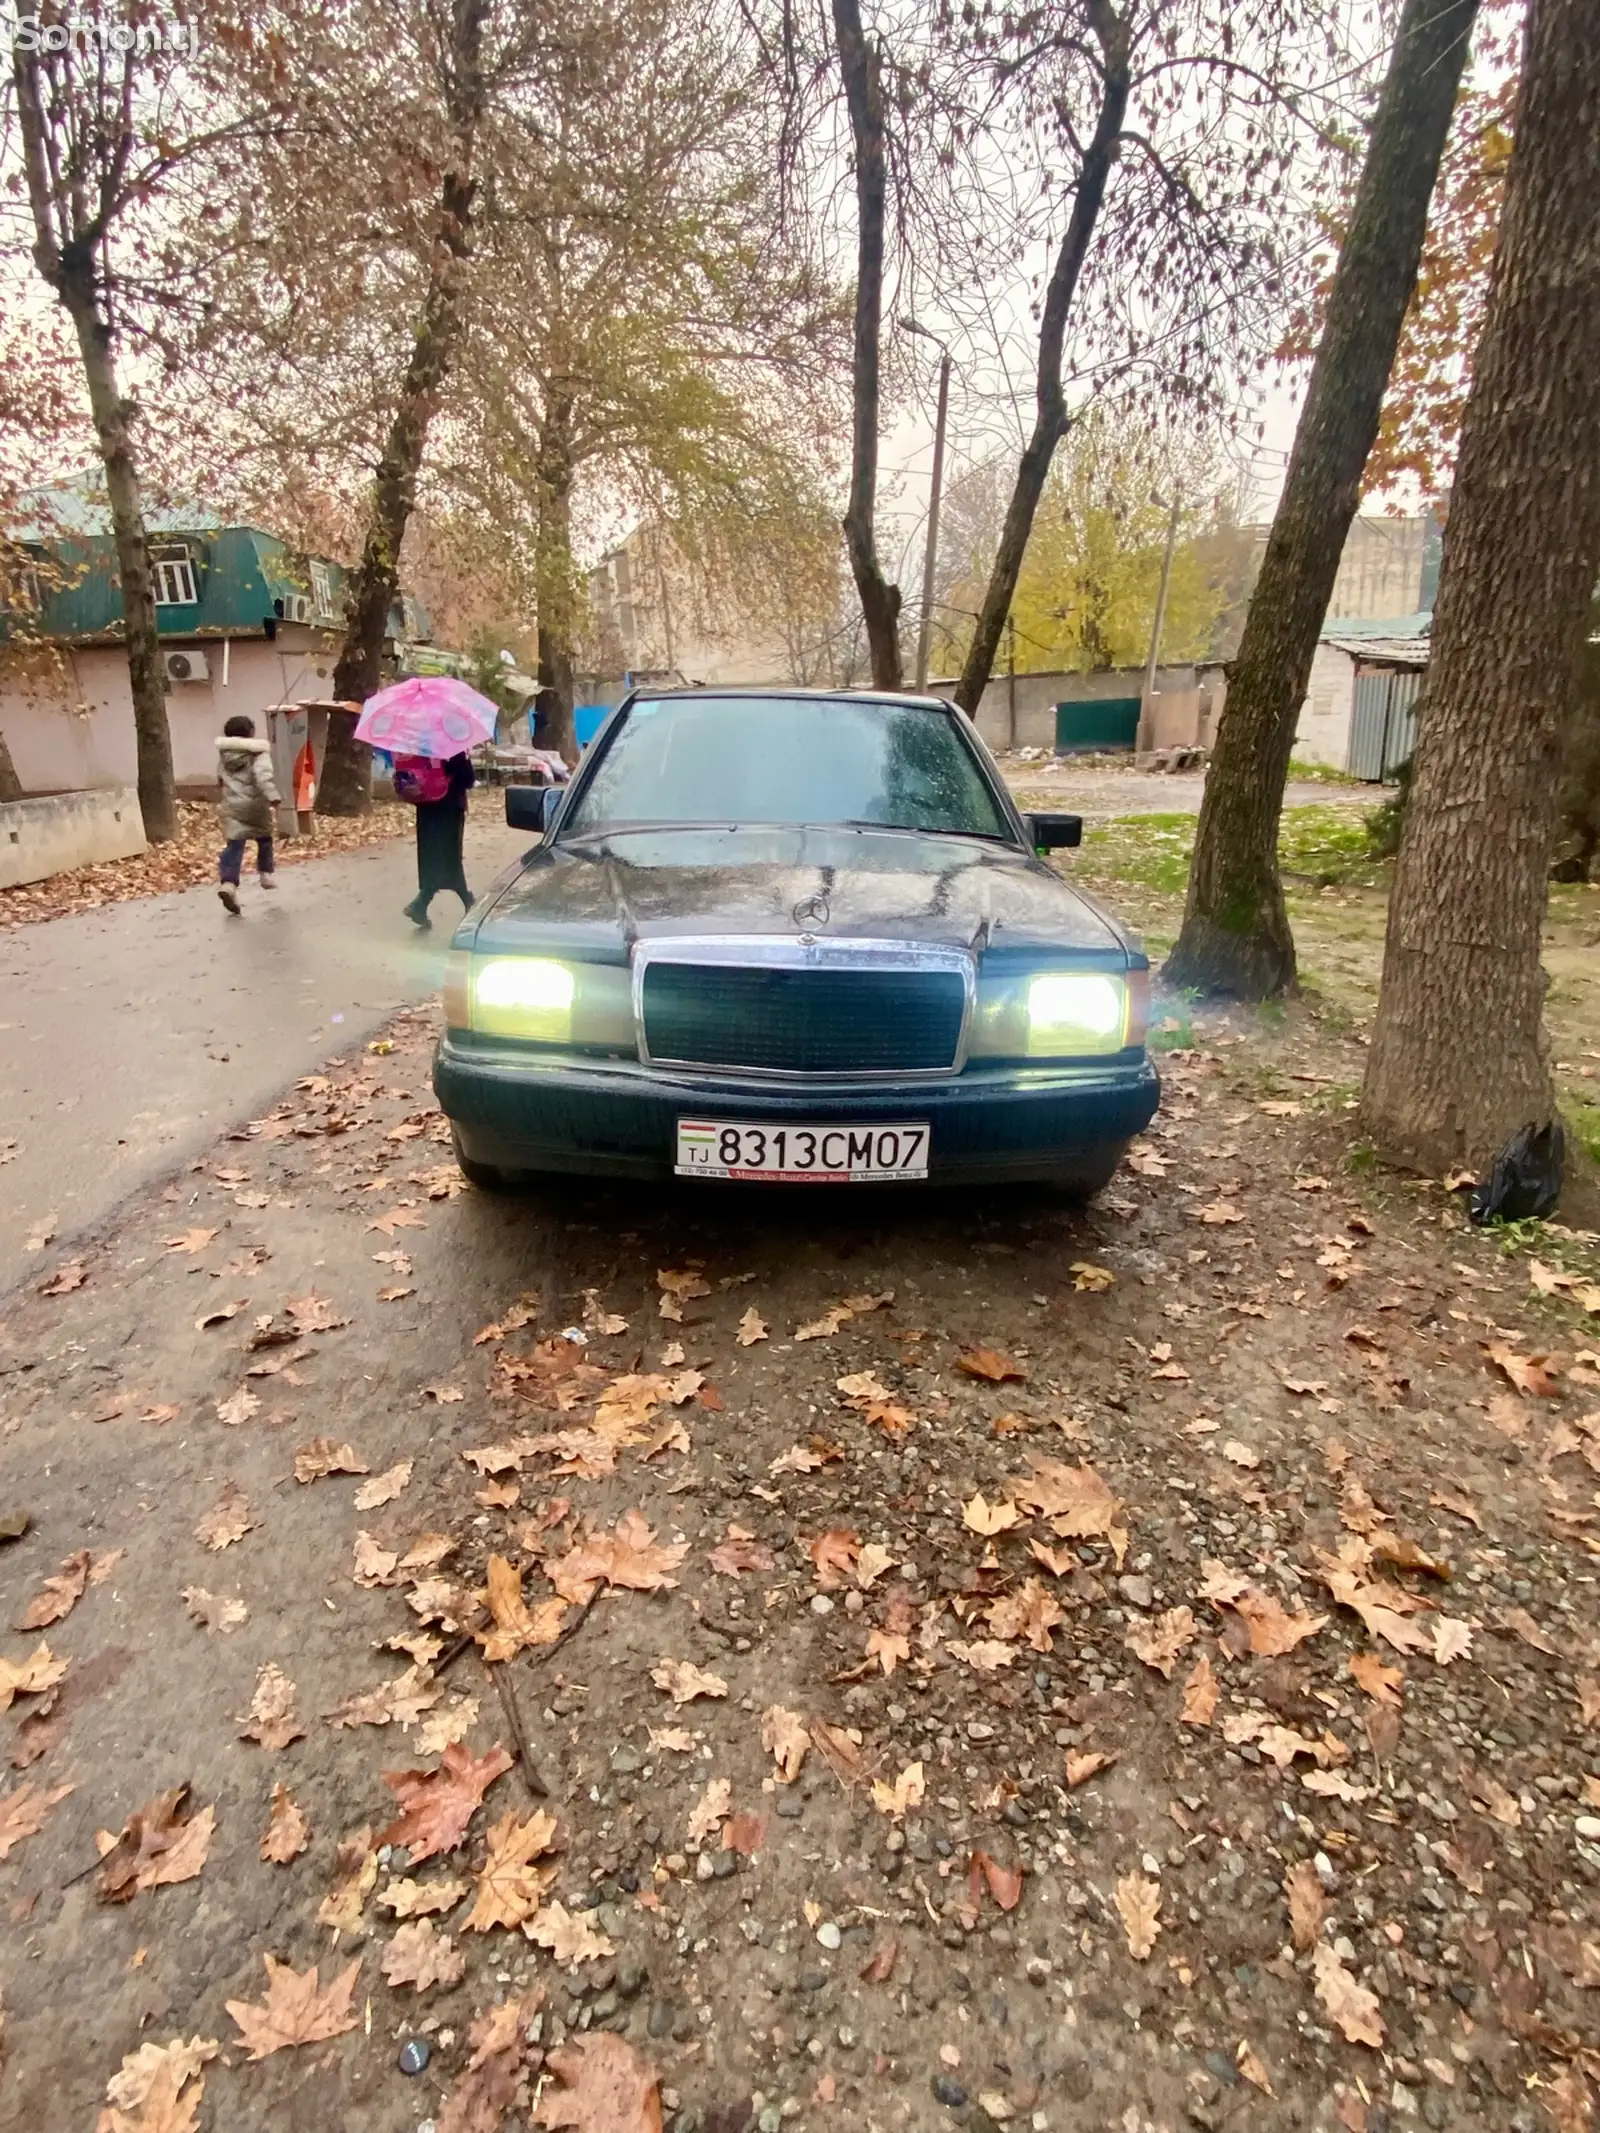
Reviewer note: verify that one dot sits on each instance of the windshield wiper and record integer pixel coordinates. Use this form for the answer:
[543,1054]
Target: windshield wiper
[907,829]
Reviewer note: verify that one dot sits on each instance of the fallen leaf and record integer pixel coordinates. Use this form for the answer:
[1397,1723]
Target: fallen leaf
[1245,2059]
[1382,1683]
[1220,1211]
[228,1520]
[824,1328]
[158,1846]
[786,1739]
[571,1937]
[136,2079]
[1308,1904]
[980,1516]
[684,1682]
[287,1832]
[237,1408]
[990,1365]
[192,1240]
[1199,1694]
[733,1558]
[1350,2006]
[372,1565]
[710,1811]
[1138,1905]
[382,1488]
[65,1279]
[415,1899]
[1030,1611]
[1332,1785]
[24,1812]
[1521,1624]
[483,2095]
[1244,1455]
[879,1966]
[606,2088]
[515,1627]
[1005,1882]
[1086,1275]
[1526,1372]
[397,1218]
[355,1871]
[272,1719]
[752,1328]
[400,1701]
[1081,1766]
[676,1740]
[422,1957]
[629,1557]
[1492,1797]
[30,1676]
[834,1553]
[322,1456]
[1161,1643]
[212,1611]
[219,1314]
[1461,1506]
[296,2010]
[1074,1498]
[437,1805]
[1272,1629]
[445,1395]
[745,1834]
[169,2105]
[57,1596]
[604,1324]
[905,1793]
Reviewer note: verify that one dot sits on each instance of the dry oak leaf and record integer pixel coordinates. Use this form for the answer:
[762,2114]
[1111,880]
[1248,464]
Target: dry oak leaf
[65,1279]
[168,2105]
[487,2090]
[272,1719]
[382,1488]
[629,1556]
[1004,1882]
[157,1847]
[1526,1372]
[287,1832]
[905,1793]
[834,1553]
[23,1813]
[739,1553]
[297,2009]
[1308,1904]
[752,1328]
[745,1834]
[1138,1905]
[710,1811]
[322,1456]
[30,1676]
[786,1739]
[1521,1624]
[824,1328]
[1244,1455]
[1086,1275]
[606,2088]
[1030,1611]
[1074,1498]
[135,2079]
[1588,1694]
[1199,1694]
[986,1654]
[212,1611]
[400,1701]
[58,1595]
[192,1240]
[437,1805]
[990,1365]
[356,1869]
[683,1682]
[511,1888]
[1252,2068]
[228,1520]
[1161,1643]
[515,1626]
[1220,1211]
[1272,1629]
[571,1937]
[1382,1683]
[415,1899]
[1350,2006]
[371,1564]
[1085,1764]
[422,1957]
[980,1516]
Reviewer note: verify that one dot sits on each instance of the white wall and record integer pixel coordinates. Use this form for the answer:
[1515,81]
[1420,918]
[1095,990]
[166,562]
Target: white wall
[59,747]
[1323,734]
[39,838]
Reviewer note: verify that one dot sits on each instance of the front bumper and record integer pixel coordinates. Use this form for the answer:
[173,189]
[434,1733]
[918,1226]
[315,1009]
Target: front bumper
[521,1110]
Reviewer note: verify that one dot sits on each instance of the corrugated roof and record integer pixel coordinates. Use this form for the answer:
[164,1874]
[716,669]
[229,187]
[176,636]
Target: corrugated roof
[1384,651]
[78,508]
[1417,625]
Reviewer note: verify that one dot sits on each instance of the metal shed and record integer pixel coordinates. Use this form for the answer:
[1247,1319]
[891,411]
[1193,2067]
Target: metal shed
[1383,721]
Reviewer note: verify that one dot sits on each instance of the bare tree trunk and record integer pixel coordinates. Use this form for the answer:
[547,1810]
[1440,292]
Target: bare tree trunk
[860,66]
[1050,407]
[555,582]
[1235,937]
[146,676]
[1459,1059]
[10,783]
[347,767]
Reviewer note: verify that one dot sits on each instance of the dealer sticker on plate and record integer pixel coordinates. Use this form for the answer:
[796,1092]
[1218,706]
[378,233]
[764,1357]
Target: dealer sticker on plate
[802,1155]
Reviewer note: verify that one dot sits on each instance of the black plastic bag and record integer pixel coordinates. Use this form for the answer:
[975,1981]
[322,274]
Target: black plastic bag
[1525,1183]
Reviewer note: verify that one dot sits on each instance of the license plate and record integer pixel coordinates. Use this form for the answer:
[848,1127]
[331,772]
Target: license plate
[802,1155]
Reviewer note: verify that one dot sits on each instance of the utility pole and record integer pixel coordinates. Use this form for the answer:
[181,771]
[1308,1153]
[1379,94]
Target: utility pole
[930,556]
[1011,685]
[1146,732]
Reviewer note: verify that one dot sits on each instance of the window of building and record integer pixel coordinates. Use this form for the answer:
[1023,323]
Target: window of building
[322,589]
[173,570]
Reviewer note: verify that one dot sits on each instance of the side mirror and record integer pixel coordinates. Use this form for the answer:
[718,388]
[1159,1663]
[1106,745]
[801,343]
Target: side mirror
[1050,833]
[532,807]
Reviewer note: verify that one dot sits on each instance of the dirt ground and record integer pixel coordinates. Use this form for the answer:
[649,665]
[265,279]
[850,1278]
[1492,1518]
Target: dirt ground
[1139,1665]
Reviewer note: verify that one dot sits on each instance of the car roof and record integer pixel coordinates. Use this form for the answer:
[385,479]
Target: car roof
[778,692]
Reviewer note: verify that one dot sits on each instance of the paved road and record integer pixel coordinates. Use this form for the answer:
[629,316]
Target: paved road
[131,1035]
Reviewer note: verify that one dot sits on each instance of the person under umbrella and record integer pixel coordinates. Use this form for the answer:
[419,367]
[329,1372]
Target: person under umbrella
[428,723]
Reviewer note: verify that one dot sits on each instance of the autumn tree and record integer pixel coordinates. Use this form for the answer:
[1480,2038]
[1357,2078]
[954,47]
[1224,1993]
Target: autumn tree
[1459,1058]
[113,116]
[1235,936]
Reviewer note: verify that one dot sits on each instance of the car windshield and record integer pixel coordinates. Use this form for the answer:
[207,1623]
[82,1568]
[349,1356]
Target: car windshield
[790,760]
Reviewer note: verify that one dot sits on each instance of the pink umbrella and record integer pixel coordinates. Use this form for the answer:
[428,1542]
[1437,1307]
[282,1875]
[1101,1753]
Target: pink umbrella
[431,714]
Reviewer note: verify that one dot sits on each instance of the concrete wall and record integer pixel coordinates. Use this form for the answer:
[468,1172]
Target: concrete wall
[1323,734]
[39,838]
[1188,701]
[75,733]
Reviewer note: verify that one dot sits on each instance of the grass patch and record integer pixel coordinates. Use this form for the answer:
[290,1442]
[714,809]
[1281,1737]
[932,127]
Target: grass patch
[1582,1121]
[1318,774]
[1324,845]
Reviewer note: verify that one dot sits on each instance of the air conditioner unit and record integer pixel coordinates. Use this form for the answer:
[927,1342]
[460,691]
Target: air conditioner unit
[186,666]
[299,607]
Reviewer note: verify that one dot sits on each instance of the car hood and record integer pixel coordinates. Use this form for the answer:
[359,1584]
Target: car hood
[596,896]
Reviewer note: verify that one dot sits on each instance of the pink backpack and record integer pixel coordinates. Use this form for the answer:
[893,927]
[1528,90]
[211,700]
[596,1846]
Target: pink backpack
[420,780]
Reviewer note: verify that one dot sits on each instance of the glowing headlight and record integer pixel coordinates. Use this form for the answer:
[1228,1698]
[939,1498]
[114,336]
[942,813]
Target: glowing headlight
[523,996]
[1073,1011]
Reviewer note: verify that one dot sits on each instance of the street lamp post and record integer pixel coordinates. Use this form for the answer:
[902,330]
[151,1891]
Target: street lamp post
[931,551]
[1146,732]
